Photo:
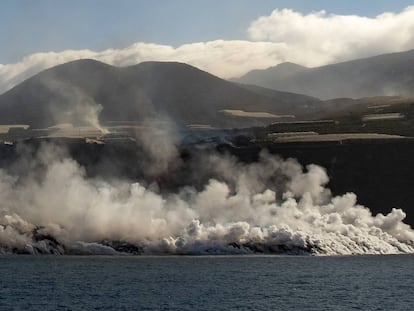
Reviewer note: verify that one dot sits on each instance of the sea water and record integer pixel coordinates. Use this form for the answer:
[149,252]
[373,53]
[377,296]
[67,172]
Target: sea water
[207,283]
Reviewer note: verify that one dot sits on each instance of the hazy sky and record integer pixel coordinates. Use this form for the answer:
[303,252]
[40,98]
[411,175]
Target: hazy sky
[29,26]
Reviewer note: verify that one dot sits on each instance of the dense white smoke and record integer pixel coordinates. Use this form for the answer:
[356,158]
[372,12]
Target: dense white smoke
[272,206]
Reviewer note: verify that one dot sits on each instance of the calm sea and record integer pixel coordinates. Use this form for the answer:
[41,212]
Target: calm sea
[207,283]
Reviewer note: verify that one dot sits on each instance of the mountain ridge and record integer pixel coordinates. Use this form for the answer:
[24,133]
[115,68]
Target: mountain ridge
[82,89]
[380,75]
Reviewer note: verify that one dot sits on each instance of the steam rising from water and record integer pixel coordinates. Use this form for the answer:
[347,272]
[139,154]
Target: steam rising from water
[272,206]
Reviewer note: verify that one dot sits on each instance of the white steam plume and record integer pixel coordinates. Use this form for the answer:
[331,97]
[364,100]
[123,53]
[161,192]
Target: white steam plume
[269,206]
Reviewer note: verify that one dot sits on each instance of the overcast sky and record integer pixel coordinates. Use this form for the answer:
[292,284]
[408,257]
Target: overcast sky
[224,37]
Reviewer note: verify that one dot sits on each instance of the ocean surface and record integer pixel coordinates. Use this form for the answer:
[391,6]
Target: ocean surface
[207,283]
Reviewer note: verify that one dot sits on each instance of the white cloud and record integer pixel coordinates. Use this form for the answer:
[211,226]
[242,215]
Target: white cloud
[319,38]
[285,35]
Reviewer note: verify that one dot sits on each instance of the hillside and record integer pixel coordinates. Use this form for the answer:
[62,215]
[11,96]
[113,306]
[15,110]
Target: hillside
[383,75]
[79,92]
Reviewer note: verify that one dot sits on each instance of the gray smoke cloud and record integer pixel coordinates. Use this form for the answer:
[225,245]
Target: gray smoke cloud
[73,106]
[272,206]
[158,139]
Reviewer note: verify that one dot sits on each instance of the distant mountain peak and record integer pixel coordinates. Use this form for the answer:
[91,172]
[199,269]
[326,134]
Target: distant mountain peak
[82,62]
[289,65]
[288,68]
[381,75]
